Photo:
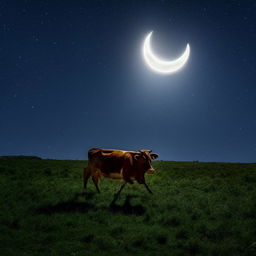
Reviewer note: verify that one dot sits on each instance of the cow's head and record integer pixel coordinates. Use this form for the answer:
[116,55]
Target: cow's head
[144,158]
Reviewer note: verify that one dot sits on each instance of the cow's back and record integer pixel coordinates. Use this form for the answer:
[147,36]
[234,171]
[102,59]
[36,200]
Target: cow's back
[107,160]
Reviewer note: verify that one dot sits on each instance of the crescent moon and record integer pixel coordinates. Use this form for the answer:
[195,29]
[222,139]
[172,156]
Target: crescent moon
[163,66]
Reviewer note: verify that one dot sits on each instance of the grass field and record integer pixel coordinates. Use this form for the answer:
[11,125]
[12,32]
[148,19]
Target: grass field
[196,209]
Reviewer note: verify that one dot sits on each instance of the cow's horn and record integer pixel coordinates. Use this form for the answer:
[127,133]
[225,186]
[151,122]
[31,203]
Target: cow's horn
[143,151]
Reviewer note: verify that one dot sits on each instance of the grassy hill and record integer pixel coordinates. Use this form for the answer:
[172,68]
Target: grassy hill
[196,209]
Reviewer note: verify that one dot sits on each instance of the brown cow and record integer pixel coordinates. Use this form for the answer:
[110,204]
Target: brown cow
[119,164]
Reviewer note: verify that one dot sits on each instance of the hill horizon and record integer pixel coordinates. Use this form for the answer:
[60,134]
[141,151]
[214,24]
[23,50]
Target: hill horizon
[34,157]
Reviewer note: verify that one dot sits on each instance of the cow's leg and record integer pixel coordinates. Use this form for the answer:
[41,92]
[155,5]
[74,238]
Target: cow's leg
[87,174]
[141,180]
[118,193]
[95,179]
[147,187]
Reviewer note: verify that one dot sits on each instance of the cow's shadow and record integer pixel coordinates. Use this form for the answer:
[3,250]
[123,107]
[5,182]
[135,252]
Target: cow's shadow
[72,205]
[127,208]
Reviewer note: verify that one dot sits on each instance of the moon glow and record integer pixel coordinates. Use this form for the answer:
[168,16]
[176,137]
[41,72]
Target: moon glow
[159,65]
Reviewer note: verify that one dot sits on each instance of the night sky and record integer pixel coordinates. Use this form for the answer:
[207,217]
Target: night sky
[73,77]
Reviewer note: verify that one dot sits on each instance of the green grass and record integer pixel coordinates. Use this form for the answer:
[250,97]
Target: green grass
[196,209]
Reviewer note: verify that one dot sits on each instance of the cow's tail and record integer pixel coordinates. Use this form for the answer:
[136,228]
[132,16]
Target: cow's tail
[87,174]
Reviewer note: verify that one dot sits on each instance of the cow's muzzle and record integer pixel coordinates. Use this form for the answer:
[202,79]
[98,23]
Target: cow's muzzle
[150,171]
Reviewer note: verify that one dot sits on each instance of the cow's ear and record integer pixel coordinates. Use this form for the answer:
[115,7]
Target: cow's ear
[136,157]
[153,156]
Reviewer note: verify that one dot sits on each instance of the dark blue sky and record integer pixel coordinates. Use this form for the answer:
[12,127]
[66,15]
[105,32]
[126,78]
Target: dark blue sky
[72,77]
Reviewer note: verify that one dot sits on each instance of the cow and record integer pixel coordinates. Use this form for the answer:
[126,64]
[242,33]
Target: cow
[128,166]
